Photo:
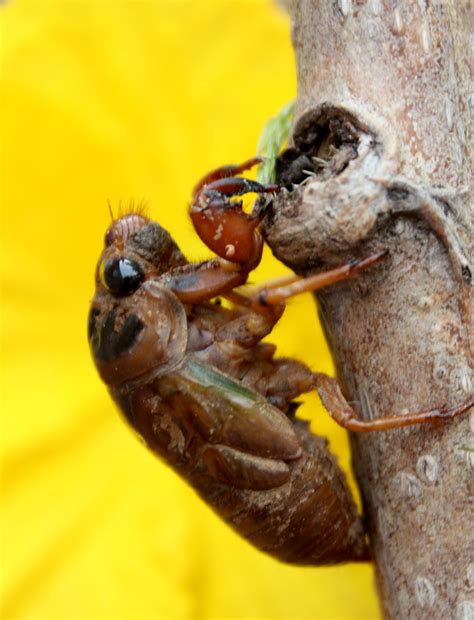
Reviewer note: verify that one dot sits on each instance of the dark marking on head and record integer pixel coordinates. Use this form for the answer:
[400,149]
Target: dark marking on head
[93,314]
[130,330]
[108,344]
[107,336]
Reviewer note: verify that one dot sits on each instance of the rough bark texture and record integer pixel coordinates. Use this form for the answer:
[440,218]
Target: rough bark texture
[385,105]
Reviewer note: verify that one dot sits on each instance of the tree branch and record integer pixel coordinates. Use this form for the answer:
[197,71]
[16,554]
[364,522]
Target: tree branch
[379,159]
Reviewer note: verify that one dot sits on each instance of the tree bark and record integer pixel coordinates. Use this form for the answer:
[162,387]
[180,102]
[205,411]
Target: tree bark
[380,158]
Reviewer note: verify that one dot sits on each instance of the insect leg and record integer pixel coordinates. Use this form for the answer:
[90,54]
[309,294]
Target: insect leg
[225,171]
[276,293]
[249,327]
[342,413]
[198,282]
[222,224]
[213,193]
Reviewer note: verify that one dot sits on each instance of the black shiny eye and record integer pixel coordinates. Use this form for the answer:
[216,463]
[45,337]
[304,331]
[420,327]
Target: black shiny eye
[122,276]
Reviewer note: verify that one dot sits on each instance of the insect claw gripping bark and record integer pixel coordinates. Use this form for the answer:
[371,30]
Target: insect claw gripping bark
[195,380]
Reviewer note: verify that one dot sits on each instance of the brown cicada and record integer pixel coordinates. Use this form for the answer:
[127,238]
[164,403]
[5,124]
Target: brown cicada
[194,380]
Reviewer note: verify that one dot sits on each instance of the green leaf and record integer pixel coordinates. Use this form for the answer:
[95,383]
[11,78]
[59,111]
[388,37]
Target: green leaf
[273,137]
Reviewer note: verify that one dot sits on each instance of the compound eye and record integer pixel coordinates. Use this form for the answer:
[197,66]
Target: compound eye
[122,276]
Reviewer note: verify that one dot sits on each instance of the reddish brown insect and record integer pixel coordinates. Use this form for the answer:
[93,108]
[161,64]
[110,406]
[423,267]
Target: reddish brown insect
[195,381]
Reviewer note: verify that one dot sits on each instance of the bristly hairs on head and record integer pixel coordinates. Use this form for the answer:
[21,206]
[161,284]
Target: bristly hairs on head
[133,208]
[125,223]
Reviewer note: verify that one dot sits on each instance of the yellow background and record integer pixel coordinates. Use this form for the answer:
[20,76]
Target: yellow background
[119,101]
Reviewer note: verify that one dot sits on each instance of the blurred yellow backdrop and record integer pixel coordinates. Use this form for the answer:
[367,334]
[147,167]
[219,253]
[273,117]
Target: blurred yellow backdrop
[117,101]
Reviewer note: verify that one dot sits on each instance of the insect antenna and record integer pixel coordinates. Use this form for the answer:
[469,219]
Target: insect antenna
[111,213]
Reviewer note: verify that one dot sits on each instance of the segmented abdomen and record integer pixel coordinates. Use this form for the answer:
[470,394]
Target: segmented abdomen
[305,517]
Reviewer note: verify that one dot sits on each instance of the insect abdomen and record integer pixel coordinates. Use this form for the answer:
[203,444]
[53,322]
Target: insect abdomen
[306,516]
[310,520]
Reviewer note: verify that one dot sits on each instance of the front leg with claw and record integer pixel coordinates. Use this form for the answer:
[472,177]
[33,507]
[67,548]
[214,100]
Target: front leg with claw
[221,223]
